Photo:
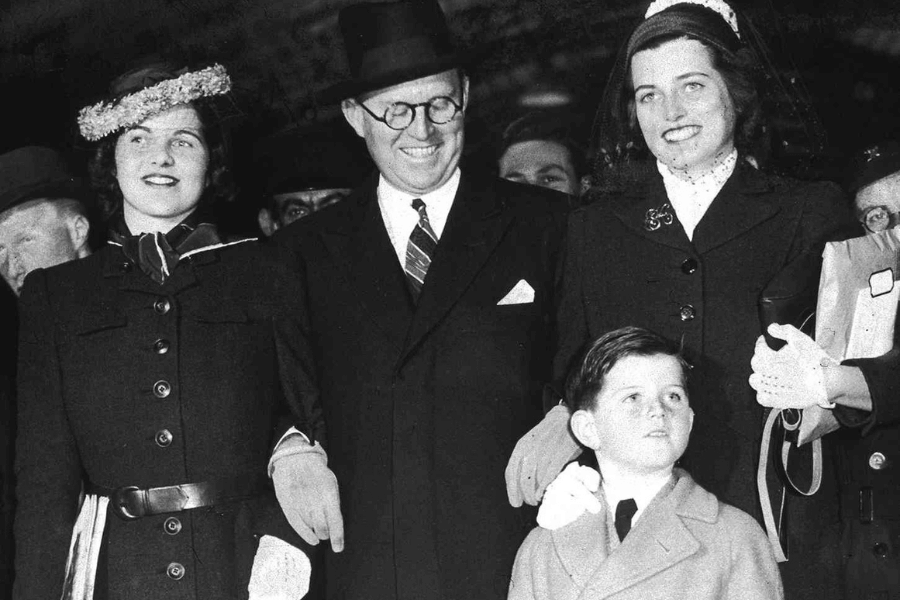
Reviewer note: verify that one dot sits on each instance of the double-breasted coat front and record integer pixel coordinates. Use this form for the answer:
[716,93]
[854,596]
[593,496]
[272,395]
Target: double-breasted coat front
[126,382]
[425,403]
[686,546]
[622,269]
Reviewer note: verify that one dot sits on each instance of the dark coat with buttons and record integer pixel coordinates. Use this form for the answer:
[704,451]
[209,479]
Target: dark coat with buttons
[425,404]
[868,467]
[123,382]
[703,294]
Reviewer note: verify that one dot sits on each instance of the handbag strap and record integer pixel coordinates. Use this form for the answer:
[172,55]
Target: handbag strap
[788,424]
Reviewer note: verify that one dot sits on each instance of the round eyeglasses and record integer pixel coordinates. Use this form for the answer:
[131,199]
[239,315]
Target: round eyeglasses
[879,218]
[400,115]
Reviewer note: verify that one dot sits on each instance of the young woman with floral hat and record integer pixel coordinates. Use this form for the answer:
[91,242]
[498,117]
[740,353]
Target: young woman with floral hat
[156,375]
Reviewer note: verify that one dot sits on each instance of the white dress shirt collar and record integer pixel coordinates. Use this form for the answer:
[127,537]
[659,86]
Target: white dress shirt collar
[691,198]
[642,492]
[400,217]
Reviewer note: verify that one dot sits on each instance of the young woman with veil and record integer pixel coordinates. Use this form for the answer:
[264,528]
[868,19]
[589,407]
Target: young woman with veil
[685,230]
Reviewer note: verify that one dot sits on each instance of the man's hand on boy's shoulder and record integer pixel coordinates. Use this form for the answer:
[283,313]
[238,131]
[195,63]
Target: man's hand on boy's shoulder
[568,496]
[539,457]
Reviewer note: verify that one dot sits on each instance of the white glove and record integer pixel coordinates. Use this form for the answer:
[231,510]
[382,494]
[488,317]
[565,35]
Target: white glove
[539,457]
[307,491]
[280,571]
[568,496]
[792,377]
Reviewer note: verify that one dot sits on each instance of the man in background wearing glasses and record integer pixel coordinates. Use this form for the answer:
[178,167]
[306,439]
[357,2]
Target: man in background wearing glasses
[429,306]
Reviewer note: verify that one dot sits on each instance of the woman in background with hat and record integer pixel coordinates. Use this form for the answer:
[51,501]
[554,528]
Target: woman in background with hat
[157,374]
[865,397]
[683,235]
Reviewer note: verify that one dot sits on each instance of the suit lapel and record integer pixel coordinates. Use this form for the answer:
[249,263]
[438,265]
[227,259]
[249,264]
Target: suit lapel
[364,256]
[634,208]
[739,207]
[476,224]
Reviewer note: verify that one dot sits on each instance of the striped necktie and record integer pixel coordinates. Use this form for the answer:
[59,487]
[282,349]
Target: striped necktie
[419,250]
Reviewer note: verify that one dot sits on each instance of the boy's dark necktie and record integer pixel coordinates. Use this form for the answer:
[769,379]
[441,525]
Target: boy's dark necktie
[419,250]
[624,512]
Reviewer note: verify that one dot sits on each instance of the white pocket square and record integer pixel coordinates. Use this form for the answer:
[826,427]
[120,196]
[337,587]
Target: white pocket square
[522,293]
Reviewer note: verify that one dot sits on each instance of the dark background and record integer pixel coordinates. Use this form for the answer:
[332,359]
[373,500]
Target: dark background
[59,55]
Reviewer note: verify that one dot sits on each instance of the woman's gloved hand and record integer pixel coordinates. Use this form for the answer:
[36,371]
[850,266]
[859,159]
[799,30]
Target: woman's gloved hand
[792,377]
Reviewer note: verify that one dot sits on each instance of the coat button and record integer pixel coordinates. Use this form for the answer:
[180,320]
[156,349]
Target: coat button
[162,306]
[172,526]
[161,346]
[689,266]
[687,313]
[880,549]
[877,461]
[175,571]
[125,266]
[163,438]
[162,389]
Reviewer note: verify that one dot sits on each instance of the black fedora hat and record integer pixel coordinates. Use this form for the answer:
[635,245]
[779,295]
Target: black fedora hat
[34,172]
[392,42]
[872,163]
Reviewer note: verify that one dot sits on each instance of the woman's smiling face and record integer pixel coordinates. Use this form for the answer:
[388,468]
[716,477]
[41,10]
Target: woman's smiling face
[683,106]
[161,168]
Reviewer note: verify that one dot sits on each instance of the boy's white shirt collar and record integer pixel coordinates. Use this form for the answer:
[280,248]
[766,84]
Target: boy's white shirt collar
[642,491]
[400,218]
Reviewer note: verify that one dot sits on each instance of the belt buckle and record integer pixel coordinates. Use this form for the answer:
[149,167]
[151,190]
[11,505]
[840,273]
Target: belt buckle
[866,505]
[123,508]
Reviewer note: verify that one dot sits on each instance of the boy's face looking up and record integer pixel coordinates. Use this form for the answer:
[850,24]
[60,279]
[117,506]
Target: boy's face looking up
[641,420]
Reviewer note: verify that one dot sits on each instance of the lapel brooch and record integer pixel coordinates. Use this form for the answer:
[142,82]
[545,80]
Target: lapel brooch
[656,217]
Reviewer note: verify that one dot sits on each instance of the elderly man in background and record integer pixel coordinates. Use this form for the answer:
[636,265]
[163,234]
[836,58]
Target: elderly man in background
[42,219]
[429,294]
[42,223]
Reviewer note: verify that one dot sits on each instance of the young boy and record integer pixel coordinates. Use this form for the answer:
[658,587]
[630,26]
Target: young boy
[658,534]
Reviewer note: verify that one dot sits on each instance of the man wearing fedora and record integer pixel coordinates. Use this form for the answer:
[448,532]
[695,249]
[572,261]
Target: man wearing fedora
[429,303]
[42,218]
[306,173]
[42,223]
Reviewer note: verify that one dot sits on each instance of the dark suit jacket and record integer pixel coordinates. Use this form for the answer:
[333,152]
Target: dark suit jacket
[8,325]
[703,293]
[424,405]
[97,335]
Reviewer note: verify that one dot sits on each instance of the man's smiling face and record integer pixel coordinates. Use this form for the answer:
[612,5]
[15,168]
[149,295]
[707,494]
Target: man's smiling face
[422,157]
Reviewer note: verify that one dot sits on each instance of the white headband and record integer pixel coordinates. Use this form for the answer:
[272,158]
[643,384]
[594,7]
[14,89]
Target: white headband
[727,13]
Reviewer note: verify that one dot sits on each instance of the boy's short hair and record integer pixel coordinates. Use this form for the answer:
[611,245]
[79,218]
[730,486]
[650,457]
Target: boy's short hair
[586,380]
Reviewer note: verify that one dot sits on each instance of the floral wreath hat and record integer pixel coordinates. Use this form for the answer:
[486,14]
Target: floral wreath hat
[160,92]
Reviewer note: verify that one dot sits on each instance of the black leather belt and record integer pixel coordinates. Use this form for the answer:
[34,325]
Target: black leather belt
[871,504]
[131,502]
